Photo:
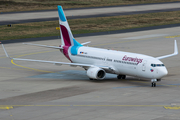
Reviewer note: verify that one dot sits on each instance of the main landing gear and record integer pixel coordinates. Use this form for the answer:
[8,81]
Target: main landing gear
[121,77]
[153,82]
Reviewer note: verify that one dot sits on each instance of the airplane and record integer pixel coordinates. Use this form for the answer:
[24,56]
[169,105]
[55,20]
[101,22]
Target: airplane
[97,62]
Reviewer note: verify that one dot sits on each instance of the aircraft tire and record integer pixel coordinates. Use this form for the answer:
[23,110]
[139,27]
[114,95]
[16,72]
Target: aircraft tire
[91,79]
[119,77]
[124,77]
[153,84]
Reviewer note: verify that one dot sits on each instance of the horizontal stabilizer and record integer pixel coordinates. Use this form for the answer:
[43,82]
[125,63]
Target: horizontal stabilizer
[54,47]
[85,43]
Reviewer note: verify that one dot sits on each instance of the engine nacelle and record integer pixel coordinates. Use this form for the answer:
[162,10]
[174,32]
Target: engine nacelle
[96,73]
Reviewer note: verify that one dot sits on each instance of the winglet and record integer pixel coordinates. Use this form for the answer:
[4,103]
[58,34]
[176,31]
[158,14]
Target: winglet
[175,52]
[175,48]
[6,52]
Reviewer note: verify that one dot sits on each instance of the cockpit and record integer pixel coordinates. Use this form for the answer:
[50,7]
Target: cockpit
[157,65]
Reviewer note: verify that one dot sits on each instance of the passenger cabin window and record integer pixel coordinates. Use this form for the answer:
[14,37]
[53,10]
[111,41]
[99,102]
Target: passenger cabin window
[157,65]
[108,59]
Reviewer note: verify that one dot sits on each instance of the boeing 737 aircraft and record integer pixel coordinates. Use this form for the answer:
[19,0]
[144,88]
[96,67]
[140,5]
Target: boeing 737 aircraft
[97,62]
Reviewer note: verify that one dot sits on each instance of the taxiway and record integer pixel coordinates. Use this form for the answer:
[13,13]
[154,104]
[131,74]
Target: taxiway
[33,91]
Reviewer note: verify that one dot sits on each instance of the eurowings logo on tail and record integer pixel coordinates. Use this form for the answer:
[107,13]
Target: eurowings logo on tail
[67,39]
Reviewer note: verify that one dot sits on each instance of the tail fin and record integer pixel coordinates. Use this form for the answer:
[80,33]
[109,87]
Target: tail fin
[67,38]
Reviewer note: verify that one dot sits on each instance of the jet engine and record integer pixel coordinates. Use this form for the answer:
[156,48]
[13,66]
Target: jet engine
[96,73]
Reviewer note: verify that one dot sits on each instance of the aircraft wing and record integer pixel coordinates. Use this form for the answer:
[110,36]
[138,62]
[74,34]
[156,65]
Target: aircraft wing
[170,55]
[56,62]
[63,63]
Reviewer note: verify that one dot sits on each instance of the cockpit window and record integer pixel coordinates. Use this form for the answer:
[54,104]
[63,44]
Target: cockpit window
[157,65]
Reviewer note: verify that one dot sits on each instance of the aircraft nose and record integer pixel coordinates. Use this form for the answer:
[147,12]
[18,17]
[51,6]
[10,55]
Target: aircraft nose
[163,72]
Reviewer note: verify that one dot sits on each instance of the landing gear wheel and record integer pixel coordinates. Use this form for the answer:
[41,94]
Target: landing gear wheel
[91,79]
[153,84]
[124,77]
[119,77]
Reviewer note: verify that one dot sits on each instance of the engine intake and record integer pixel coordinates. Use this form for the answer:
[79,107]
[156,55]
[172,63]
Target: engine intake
[96,73]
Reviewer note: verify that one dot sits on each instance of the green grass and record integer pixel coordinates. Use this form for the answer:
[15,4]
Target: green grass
[28,5]
[89,25]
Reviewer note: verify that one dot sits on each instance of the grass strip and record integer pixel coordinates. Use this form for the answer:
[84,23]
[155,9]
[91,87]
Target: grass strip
[89,25]
[30,5]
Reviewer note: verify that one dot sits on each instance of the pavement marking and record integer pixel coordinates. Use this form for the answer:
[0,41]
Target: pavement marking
[6,107]
[172,36]
[172,107]
[15,68]
[33,53]
[83,105]
[29,67]
[5,67]
[145,36]
[122,105]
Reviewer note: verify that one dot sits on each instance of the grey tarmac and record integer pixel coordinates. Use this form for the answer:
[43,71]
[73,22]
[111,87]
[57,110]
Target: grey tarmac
[36,91]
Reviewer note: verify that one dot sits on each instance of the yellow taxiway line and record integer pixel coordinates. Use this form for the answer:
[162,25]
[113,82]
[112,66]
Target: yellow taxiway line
[172,107]
[166,107]
[12,61]
[172,36]
[29,67]
[6,107]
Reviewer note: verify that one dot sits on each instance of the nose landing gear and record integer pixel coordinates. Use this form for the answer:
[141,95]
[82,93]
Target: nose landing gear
[153,82]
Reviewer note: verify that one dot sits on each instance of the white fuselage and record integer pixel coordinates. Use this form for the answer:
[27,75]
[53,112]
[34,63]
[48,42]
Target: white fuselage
[122,63]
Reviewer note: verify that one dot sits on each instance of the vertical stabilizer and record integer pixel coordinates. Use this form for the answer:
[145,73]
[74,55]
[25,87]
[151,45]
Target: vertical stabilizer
[67,38]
